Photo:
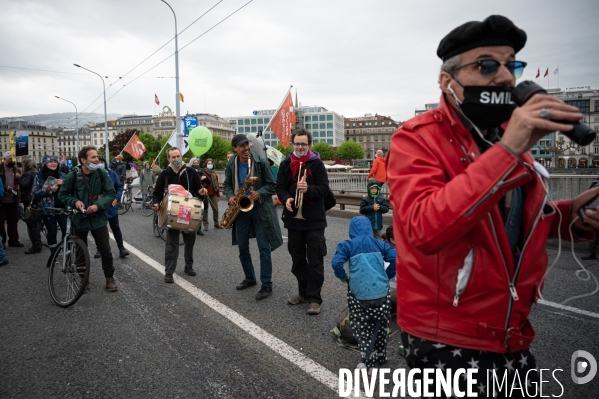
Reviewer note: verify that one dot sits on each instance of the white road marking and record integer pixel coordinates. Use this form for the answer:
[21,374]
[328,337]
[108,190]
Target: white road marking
[569,308]
[308,365]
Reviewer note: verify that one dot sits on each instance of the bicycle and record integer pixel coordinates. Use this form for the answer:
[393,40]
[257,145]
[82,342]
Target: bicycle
[126,198]
[145,209]
[159,231]
[69,265]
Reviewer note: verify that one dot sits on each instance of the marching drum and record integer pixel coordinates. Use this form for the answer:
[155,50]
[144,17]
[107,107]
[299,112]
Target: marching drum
[178,212]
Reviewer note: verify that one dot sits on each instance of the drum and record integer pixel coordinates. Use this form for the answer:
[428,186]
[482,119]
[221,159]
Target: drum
[180,213]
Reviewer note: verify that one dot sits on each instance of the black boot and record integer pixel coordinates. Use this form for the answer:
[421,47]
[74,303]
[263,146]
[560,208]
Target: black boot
[589,257]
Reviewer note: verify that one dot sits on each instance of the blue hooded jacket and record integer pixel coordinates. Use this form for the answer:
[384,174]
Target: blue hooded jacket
[368,278]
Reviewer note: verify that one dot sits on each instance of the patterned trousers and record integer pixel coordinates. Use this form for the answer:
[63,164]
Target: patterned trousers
[422,354]
[370,328]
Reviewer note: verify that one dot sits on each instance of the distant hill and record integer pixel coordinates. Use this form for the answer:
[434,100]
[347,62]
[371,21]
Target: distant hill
[64,119]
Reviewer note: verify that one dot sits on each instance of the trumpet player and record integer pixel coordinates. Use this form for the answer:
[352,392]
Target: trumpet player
[302,185]
[260,221]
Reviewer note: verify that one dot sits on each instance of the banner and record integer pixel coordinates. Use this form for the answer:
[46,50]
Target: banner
[22,143]
[135,147]
[11,144]
[281,123]
[174,140]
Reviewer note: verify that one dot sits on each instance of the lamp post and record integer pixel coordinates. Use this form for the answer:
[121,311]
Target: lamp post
[105,115]
[178,95]
[76,122]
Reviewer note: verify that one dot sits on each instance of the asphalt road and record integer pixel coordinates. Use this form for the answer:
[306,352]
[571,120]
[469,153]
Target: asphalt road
[202,338]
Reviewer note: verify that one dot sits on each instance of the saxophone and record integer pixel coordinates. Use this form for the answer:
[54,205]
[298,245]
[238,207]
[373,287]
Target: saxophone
[244,203]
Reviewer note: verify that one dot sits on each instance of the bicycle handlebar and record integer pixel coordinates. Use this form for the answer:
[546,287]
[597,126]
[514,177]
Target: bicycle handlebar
[66,211]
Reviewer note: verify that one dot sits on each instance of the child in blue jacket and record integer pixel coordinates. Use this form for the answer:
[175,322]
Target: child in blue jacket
[368,294]
[374,205]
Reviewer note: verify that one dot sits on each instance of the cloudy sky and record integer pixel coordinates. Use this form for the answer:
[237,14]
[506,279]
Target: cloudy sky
[353,57]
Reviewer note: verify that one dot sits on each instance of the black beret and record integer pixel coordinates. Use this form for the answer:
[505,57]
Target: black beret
[495,30]
[239,139]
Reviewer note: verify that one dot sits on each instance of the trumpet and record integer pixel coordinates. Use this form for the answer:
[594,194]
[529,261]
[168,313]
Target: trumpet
[299,197]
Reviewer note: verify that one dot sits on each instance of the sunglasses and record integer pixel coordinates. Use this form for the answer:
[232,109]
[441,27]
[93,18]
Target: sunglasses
[489,68]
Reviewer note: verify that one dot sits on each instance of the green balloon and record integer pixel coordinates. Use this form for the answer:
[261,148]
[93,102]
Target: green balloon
[200,140]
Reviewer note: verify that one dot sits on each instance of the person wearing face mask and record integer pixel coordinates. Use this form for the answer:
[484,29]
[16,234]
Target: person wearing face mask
[470,208]
[213,195]
[177,173]
[89,189]
[9,209]
[45,189]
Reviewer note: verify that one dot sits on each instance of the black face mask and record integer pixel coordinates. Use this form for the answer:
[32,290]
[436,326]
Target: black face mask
[196,167]
[487,106]
[10,164]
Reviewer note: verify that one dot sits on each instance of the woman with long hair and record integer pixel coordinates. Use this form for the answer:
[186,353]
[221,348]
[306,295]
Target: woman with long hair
[45,189]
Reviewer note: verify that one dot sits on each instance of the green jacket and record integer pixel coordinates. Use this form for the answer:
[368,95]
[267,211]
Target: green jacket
[266,188]
[73,189]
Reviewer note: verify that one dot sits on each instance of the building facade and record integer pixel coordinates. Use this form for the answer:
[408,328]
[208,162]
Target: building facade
[67,141]
[427,107]
[97,133]
[218,126]
[325,126]
[373,132]
[41,141]
[558,151]
[163,123]
[143,123]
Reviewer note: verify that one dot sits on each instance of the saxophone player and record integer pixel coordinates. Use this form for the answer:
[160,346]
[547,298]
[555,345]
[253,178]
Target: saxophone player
[260,221]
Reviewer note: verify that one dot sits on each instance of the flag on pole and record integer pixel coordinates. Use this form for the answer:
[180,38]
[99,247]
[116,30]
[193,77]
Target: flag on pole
[135,147]
[538,73]
[281,123]
[556,71]
[156,100]
[183,146]
[546,73]
[181,97]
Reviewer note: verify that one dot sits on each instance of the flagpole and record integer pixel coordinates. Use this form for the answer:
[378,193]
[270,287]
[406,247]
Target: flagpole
[280,105]
[160,152]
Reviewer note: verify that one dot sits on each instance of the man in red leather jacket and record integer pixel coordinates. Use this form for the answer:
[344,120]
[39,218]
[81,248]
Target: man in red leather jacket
[471,213]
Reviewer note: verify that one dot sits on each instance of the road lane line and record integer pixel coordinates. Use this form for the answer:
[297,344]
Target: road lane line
[569,309]
[308,365]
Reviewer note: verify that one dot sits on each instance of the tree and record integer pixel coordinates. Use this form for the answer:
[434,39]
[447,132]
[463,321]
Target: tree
[324,149]
[218,151]
[117,145]
[284,151]
[350,150]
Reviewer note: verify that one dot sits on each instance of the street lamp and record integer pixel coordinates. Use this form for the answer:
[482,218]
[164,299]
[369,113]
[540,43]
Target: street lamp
[178,95]
[76,122]
[105,115]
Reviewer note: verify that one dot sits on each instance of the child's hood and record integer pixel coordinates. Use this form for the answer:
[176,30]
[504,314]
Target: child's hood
[373,183]
[360,226]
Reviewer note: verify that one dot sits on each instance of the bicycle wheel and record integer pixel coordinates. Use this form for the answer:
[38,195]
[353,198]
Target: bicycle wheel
[69,272]
[146,210]
[125,203]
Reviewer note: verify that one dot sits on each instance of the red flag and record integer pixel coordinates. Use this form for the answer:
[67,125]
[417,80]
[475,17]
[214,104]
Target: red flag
[281,123]
[135,147]
[156,100]
[538,73]
[546,73]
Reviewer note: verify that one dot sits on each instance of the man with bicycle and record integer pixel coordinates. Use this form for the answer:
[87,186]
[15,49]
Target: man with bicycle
[89,189]
[177,173]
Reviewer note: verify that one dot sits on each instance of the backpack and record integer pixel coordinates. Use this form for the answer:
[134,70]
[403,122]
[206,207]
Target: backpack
[329,200]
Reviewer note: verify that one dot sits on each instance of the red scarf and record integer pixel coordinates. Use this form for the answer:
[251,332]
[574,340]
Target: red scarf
[295,164]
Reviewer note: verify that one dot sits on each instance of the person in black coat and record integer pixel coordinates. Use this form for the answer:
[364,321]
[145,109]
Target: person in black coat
[307,243]
[27,179]
[177,173]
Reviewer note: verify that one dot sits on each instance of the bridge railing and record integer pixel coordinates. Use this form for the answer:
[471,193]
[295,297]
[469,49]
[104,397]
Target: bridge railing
[561,186]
